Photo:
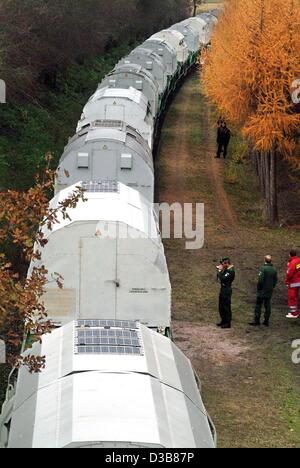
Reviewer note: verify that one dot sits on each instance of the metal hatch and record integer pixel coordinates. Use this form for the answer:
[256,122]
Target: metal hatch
[104,164]
[97,277]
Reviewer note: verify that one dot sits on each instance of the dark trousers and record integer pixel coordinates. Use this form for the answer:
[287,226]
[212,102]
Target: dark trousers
[260,302]
[225,305]
[222,148]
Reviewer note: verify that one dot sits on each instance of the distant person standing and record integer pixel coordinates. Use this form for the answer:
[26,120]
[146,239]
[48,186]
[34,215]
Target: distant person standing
[226,276]
[220,121]
[293,283]
[223,139]
[267,282]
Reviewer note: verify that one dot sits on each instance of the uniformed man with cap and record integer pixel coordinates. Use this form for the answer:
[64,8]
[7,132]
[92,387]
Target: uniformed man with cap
[226,276]
[267,282]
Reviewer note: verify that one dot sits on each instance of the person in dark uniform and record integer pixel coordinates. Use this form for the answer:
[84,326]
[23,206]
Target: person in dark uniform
[223,139]
[267,282]
[226,276]
[219,122]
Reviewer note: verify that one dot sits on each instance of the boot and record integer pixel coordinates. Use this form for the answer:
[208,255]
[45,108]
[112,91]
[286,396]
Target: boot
[226,326]
[266,323]
[254,324]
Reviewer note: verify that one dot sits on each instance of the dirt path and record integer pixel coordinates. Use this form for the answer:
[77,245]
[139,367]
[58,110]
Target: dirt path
[175,190]
[214,169]
[249,384]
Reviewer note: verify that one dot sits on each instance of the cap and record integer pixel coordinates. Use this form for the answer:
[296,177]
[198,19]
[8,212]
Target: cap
[225,259]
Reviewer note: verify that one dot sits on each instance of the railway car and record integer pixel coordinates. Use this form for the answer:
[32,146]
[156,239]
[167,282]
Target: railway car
[108,150]
[131,75]
[169,57]
[192,38]
[125,105]
[111,257]
[201,25]
[109,384]
[217,12]
[113,376]
[177,41]
[211,21]
[150,60]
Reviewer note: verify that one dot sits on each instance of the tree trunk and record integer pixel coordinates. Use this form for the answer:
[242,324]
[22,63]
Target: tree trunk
[262,172]
[196,3]
[256,162]
[266,157]
[273,198]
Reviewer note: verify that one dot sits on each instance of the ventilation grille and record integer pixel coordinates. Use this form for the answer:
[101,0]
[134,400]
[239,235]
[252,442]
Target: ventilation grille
[103,186]
[108,124]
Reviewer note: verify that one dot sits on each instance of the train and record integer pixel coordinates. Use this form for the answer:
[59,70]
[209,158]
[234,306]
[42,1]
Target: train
[113,377]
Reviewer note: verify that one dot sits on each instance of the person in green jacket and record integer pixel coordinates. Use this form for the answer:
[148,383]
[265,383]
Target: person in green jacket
[226,276]
[267,282]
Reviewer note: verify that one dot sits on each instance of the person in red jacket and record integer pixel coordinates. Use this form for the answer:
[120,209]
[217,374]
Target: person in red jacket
[293,283]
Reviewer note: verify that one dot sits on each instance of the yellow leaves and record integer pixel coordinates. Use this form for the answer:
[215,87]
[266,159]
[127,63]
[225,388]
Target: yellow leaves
[250,69]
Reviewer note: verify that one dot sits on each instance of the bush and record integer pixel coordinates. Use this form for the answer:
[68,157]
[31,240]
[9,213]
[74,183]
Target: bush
[41,38]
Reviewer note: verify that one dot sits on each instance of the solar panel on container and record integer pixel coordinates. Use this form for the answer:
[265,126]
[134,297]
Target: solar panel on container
[107,337]
[108,350]
[104,186]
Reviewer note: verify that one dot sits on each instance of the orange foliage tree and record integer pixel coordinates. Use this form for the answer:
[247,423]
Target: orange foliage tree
[250,73]
[22,218]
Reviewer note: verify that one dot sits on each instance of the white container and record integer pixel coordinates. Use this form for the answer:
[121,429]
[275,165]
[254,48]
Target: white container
[131,75]
[105,399]
[111,258]
[125,105]
[190,33]
[165,51]
[202,25]
[150,60]
[176,40]
[108,151]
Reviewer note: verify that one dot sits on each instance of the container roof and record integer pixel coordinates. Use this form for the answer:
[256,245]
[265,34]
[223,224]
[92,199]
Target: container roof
[191,34]
[124,100]
[185,25]
[115,203]
[131,94]
[146,398]
[133,68]
[171,36]
[110,127]
[145,51]
[102,131]
[208,17]
[196,22]
[160,41]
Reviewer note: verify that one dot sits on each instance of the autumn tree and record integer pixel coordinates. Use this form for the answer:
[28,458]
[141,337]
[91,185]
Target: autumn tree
[22,218]
[249,74]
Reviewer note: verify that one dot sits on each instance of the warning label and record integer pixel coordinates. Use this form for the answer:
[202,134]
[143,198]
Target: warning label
[139,291]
